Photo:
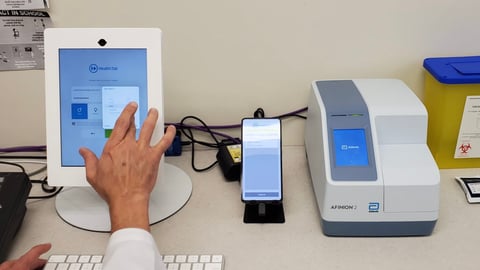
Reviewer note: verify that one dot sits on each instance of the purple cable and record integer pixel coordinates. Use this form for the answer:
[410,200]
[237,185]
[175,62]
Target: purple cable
[36,148]
[232,126]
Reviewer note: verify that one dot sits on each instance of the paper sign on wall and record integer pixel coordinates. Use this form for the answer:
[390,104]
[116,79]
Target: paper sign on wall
[23,4]
[21,39]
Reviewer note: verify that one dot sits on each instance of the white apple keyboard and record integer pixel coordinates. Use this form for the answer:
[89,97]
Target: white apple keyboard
[172,262]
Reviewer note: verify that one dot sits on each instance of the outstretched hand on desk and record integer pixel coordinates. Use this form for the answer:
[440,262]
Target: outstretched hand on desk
[29,261]
[126,172]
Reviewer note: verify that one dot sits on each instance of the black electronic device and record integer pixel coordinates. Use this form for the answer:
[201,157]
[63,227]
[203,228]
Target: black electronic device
[229,157]
[14,190]
[261,179]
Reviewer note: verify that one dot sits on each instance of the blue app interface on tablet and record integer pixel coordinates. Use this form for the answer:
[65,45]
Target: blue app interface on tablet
[95,86]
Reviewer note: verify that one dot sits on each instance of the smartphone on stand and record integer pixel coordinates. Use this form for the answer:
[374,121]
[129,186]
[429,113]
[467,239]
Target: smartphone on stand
[261,179]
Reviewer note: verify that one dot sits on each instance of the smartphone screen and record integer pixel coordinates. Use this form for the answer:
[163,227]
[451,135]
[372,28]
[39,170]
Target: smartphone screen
[261,159]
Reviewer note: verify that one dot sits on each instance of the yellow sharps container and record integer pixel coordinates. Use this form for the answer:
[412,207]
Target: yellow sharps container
[452,98]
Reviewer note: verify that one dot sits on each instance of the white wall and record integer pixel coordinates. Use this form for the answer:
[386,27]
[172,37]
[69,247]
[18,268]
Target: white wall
[223,59]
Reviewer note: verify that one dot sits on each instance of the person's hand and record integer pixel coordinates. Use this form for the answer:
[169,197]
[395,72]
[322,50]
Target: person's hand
[126,172]
[29,261]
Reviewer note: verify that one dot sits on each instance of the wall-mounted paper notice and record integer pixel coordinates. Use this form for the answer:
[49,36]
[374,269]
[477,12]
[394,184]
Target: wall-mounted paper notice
[21,39]
[23,4]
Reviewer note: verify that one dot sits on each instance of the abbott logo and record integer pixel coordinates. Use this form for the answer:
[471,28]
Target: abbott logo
[346,147]
[373,207]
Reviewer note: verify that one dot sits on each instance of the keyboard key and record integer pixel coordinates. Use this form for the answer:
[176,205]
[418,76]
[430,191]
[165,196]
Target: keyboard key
[173,266]
[181,258]
[205,258]
[50,266]
[217,258]
[197,266]
[96,259]
[186,266]
[72,258]
[213,266]
[62,266]
[84,259]
[193,258]
[168,258]
[75,266]
[57,258]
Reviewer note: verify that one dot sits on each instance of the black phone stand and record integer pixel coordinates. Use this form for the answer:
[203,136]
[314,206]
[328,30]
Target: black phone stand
[264,212]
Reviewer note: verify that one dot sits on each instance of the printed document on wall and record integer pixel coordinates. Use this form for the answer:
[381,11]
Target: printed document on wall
[23,4]
[21,39]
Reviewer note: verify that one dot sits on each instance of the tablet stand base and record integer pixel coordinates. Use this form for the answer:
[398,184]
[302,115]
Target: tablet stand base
[264,213]
[83,208]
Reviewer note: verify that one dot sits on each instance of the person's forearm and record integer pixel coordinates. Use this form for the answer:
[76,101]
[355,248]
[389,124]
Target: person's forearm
[130,213]
[132,249]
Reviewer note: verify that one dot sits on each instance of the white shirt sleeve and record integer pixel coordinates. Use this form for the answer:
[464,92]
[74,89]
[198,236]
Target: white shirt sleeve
[132,248]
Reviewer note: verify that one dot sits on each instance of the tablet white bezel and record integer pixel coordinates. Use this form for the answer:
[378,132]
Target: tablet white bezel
[87,38]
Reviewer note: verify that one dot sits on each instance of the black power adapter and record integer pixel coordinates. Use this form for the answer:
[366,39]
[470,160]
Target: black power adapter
[229,158]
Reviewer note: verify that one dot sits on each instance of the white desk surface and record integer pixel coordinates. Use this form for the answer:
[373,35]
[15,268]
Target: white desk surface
[212,222]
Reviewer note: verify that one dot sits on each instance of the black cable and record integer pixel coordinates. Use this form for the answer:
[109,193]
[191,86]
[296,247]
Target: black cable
[53,191]
[42,169]
[294,115]
[46,196]
[183,126]
[45,187]
[187,131]
[259,113]
[14,164]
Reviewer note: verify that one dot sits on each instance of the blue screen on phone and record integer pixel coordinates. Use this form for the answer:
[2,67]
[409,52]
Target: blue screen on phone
[261,160]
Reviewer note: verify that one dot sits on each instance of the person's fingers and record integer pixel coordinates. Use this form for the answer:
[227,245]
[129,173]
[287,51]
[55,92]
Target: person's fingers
[7,265]
[132,129]
[166,140]
[91,161]
[148,127]
[122,125]
[38,263]
[32,257]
